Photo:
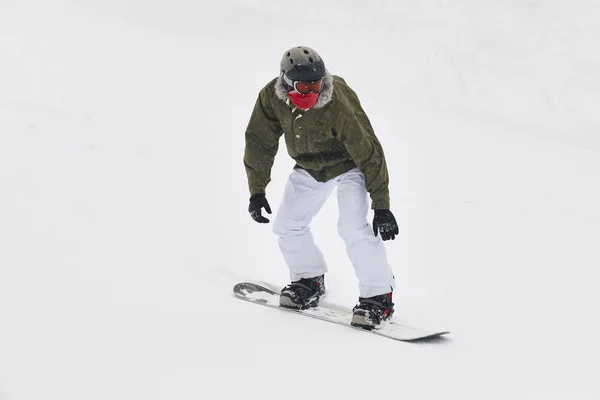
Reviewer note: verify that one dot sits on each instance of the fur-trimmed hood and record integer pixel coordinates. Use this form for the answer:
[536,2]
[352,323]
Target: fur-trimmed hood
[325,95]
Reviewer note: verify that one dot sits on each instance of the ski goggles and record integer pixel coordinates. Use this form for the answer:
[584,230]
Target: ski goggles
[304,87]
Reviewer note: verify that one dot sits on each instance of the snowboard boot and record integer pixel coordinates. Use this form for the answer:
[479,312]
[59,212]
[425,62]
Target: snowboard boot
[303,294]
[371,311]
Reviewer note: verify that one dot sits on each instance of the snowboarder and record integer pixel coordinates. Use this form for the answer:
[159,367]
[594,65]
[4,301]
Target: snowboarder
[332,141]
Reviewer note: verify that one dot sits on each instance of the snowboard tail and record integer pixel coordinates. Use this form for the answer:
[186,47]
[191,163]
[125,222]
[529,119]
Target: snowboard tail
[269,297]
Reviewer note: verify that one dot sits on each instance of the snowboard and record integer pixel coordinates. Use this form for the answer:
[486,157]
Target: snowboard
[269,297]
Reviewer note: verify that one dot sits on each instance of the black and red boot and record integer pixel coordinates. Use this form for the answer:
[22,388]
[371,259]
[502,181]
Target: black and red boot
[303,294]
[372,311]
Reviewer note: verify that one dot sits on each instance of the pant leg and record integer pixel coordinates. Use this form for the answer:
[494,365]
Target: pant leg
[302,199]
[365,250]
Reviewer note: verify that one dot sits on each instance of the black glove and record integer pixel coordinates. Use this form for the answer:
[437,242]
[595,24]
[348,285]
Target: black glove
[257,202]
[385,223]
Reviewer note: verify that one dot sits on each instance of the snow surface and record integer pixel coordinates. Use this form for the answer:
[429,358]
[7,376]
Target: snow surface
[123,222]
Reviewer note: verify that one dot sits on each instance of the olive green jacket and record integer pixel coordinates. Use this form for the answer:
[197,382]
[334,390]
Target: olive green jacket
[331,138]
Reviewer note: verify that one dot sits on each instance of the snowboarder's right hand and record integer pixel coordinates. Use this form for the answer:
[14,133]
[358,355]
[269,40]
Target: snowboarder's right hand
[257,202]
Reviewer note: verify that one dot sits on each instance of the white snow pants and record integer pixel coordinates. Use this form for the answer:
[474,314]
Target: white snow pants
[302,200]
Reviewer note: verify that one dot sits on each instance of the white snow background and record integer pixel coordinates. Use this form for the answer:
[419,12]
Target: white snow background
[123,200]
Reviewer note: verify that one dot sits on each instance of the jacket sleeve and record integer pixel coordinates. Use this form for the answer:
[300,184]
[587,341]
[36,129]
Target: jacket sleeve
[262,142]
[356,134]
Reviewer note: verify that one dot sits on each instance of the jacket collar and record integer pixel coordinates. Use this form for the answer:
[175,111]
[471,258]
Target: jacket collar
[325,96]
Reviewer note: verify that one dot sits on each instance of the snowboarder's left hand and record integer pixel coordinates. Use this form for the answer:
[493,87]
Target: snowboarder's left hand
[384,223]
[258,201]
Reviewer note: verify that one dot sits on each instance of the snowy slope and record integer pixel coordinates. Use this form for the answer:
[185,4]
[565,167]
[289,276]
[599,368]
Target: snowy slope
[123,222]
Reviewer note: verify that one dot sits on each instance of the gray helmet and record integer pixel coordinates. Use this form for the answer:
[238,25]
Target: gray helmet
[302,64]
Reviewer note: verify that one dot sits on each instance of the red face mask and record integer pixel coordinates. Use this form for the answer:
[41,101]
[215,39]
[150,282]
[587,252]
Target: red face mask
[303,101]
